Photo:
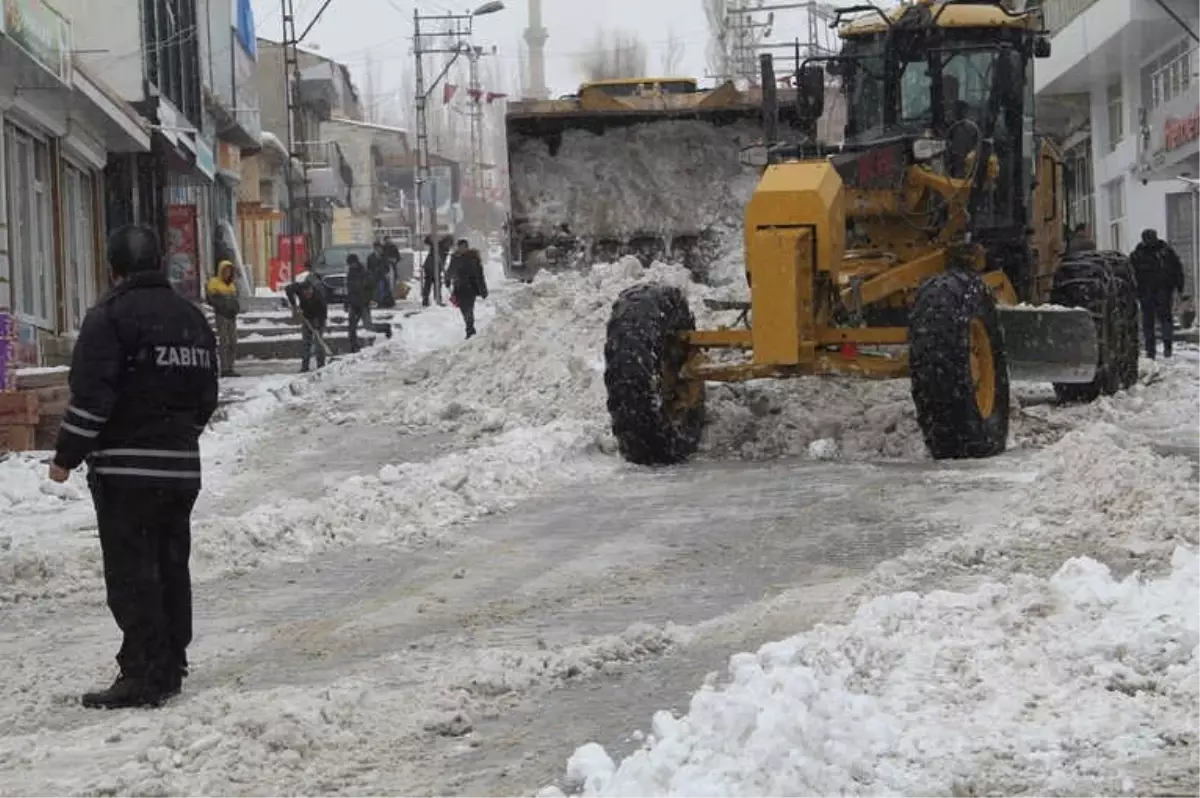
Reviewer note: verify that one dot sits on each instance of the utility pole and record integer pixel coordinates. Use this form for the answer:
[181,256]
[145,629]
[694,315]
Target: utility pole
[291,80]
[458,31]
[475,93]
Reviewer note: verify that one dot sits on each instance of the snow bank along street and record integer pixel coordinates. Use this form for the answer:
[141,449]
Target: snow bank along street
[424,569]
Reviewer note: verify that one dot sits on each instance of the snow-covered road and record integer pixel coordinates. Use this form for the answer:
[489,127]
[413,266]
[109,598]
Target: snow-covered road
[425,571]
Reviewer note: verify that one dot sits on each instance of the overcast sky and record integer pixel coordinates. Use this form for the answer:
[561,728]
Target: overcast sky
[351,29]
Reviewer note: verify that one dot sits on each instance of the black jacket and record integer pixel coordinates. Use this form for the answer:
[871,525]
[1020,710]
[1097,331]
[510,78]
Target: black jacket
[314,308]
[143,386]
[1157,268]
[360,289]
[391,254]
[464,276]
[377,267]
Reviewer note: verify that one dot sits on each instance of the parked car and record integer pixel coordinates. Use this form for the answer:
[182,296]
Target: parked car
[330,266]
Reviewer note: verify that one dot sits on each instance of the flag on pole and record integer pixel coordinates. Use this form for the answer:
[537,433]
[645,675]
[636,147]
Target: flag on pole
[475,94]
[448,92]
[495,95]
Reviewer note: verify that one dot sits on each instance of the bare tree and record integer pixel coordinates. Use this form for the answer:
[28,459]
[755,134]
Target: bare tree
[720,46]
[672,54]
[613,54]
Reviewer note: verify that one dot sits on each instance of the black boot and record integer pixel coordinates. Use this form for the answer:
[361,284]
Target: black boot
[127,692]
[387,330]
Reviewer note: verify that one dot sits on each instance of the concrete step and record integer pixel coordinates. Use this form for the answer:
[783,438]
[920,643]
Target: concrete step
[281,348]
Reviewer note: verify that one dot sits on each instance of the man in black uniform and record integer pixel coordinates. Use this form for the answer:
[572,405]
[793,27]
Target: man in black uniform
[1159,274]
[143,386]
[434,258]
[464,278]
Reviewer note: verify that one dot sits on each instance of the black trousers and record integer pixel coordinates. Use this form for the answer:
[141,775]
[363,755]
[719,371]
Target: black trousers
[428,279]
[466,306]
[1156,310]
[146,540]
[357,316]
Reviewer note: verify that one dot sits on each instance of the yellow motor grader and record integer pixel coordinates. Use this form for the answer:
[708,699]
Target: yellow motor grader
[928,245]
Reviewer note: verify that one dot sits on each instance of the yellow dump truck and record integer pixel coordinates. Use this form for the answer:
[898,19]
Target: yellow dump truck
[653,167]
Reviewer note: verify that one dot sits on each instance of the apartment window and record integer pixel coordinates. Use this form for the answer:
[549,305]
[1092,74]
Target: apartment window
[30,226]
[172,52]
[1116,116]
[1169,75]
[79,244]
[1116,215]
[1078,186]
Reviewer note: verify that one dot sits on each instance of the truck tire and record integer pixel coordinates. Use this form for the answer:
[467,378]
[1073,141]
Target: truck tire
[1104,285]
[656,417]
[958,367]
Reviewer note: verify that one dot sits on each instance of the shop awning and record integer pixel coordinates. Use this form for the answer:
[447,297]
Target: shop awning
[123,129]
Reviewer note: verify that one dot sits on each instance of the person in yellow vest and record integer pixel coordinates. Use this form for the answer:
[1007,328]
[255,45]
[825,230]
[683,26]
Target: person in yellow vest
[221,294]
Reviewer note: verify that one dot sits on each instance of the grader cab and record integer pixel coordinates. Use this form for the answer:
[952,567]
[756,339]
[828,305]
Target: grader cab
[927,246]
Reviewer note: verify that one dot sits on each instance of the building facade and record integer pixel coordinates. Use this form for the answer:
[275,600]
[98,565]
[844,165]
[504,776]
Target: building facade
[323,186]
[1122,89]
[59,125]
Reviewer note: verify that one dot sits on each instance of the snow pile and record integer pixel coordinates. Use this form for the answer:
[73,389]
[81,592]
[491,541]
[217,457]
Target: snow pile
[408,503]
[32,510]
[674,176]
[1076,684]
[543,359]
[338,738]
[1097,492]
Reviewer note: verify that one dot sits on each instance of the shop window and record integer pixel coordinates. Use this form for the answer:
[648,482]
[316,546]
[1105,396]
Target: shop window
[1116,116]
[79,244]
[30,226]
[1116,215]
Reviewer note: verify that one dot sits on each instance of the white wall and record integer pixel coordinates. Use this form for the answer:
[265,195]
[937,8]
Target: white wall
[1145,204]
[115,27]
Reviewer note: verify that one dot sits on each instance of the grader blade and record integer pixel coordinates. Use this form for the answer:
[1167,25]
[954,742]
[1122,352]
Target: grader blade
[1049,345]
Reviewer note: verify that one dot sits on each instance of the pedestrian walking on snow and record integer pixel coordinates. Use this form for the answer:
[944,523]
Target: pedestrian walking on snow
[464,278]
[360,291]
[221,294]
[1159,274]
[143,385]
[308,301]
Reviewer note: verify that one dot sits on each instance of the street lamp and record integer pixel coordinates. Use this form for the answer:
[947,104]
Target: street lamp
[490,7]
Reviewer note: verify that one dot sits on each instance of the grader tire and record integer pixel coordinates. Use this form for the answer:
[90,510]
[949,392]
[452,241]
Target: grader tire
[1102,283]
[643,357]
[959,372]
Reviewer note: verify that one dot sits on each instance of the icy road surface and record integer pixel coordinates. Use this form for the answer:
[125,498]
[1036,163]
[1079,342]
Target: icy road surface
[424,570]
[522,630]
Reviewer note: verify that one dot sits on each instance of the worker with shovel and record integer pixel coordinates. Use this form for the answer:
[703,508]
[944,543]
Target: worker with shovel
[308,302]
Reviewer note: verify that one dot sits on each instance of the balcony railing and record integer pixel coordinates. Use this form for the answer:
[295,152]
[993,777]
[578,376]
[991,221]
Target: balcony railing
[1058,14]
[1173,78]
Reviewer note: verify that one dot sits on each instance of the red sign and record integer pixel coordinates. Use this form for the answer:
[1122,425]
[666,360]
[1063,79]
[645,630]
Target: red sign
[280,273]
[1178,132]
[182,268]
[293,250]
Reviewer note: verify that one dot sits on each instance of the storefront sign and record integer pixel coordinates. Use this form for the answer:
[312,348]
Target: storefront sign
[205,161]
[40,31]
[8,351]
[1177,132]
[182,267]
[294,250]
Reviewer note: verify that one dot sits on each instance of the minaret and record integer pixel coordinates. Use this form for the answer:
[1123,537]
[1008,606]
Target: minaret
[535,39]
